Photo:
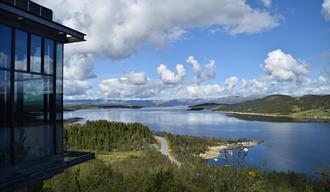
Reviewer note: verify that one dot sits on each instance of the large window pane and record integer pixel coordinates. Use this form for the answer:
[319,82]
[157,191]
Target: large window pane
[21,50]
[35,53]
[4,118]
[59,97]
[49,56]
[32,119]
[5,46]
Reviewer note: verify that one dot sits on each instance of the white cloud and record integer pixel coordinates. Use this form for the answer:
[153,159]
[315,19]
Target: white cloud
[267,3]
[169,77]
[202,91]
[118,28]
[231,82]
[76,88]
[78,67]
[209,73]
[171,85]
[326,9]
[122,88]
[210,69]
[196,67]
[137,78]
[323,79]
[77,73]
[281,66]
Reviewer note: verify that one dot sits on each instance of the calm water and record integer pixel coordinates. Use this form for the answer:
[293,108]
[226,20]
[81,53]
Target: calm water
[295,146]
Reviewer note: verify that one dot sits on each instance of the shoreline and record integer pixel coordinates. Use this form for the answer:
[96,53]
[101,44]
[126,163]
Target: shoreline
[215,151]
[291,117]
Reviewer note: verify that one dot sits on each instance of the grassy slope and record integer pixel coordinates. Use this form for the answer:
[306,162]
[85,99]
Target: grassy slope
[308,106]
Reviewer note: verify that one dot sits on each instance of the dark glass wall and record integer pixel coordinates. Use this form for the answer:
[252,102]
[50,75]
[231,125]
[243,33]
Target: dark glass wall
[31,113]
[21,50]
[5,46]
[49,56]
[35,58]
[59,97]
[31,97]
[5,62]
[4,118]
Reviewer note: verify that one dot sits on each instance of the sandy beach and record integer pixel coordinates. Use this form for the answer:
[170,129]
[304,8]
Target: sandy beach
[214,151]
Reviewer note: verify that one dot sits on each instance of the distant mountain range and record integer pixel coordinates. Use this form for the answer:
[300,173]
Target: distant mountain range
[174,102]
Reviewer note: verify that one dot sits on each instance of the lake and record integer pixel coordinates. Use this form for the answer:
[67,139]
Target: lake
[295,146]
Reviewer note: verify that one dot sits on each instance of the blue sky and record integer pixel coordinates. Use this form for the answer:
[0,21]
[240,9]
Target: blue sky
[298,30]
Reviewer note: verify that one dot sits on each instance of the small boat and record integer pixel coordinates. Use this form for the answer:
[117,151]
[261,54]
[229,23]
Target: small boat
[215,159]
[245,149]
[230,152]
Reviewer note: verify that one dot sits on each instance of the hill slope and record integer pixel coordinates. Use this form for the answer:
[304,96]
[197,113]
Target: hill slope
[308,106]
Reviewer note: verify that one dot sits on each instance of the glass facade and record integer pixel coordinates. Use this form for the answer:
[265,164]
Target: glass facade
[59,97]
[35,58]
[31,97]
[31,113]
[49,56]
[4,118]
[5,45]
[21,50]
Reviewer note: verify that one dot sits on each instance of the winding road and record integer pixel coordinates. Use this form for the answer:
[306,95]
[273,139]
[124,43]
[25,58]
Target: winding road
[164,149]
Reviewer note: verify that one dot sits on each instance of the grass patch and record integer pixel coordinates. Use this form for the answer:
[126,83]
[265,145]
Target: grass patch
[113,157]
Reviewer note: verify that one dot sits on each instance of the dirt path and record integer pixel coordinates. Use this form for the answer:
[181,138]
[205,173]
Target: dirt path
[164,149]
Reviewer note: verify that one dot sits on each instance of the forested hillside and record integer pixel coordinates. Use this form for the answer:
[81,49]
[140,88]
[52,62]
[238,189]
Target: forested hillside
[308,106]
[107,136]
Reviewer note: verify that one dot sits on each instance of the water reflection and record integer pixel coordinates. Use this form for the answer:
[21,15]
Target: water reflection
[296,146]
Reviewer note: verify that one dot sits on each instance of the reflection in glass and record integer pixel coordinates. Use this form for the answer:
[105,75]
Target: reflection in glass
[59,97]
[35,53]
[5,46]
[4,118]
[32,119]
[21,50]
[49,56]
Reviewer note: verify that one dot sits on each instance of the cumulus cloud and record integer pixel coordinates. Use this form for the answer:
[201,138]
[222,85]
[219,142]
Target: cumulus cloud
[118,28]
[76,88]
[210,69]
[203,91]
[231,82]
[169,77]
[77,73]
[267,3]
[136,78]
[78,67]
[281,66]
[326,9]
[253,86]
[324,79]
[123,88]
[196,67]
[209,73]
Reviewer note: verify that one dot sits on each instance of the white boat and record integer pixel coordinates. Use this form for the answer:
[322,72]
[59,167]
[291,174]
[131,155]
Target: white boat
[245,149]
[230,152]
[215,159]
